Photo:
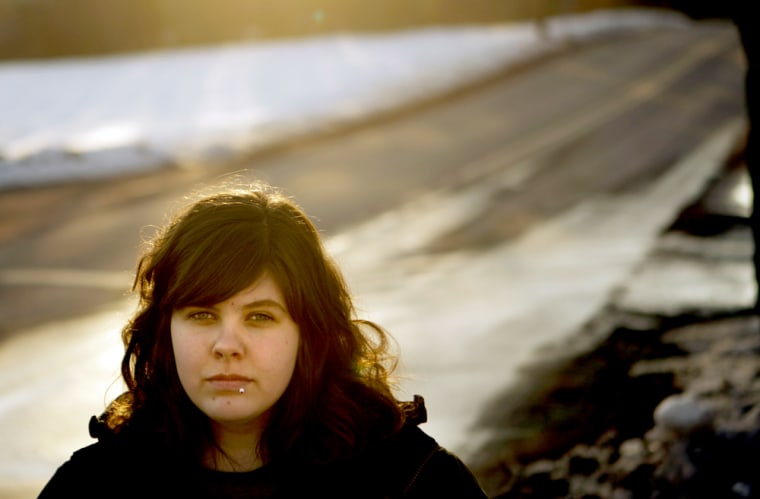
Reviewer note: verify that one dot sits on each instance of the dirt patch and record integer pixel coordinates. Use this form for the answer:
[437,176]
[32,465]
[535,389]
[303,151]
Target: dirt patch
[591,430]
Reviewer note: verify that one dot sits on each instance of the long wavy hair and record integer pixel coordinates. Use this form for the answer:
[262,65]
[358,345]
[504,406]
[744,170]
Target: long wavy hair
[339,397]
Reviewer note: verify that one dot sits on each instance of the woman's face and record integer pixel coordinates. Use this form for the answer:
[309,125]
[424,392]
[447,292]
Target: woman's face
[236,358]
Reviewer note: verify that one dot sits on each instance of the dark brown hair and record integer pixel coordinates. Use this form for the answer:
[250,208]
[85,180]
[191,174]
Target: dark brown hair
[339,396]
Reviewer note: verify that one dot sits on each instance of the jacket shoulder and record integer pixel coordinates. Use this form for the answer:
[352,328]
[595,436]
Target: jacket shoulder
[425,470]
[415,466]
[83,474]
[100,468]
[443,474]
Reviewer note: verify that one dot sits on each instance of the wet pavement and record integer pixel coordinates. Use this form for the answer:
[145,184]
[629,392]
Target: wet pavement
[679,341]
[703,262]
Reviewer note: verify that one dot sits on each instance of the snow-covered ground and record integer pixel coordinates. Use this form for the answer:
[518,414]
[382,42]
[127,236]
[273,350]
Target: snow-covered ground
[103,116]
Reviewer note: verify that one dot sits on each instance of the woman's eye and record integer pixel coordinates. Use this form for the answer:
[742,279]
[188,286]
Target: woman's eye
[201,316]
[260,317]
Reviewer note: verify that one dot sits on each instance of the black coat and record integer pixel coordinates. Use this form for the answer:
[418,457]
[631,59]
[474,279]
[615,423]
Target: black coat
[408,465]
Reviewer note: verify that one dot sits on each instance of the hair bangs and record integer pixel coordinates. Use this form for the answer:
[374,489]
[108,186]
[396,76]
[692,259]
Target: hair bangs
[217,267]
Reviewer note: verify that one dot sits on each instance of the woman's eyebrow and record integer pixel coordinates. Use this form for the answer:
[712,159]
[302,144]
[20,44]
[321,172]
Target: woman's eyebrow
[266,302]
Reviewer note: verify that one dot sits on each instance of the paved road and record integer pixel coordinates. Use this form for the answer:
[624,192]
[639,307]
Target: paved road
[590,121]
[478,228]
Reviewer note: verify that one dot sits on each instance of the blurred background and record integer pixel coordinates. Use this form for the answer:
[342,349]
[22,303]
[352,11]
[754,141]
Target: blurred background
[50,28]
[486,172]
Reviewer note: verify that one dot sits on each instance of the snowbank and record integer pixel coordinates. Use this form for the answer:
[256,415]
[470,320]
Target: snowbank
[95,117]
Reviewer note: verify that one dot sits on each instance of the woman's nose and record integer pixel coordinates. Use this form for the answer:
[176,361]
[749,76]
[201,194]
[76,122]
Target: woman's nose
[228,343]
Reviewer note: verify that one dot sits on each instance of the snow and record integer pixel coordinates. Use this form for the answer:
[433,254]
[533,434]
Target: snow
[95,117]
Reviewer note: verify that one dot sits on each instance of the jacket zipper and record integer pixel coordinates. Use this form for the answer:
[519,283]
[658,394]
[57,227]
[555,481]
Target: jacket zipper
[419,470]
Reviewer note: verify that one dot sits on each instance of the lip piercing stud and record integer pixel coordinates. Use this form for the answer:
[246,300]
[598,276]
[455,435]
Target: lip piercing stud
[242,390]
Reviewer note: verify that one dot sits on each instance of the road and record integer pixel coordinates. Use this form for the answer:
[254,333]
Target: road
[480,229]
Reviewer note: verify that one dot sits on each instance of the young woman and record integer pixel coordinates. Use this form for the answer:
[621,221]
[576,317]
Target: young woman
[248,375]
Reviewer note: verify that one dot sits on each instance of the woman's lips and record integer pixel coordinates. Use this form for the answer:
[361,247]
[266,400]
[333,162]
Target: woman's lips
[228,382]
